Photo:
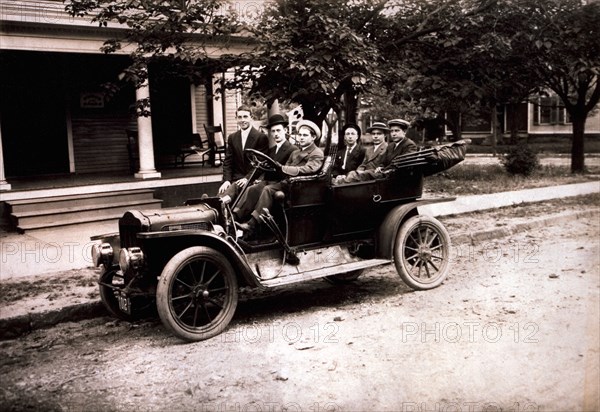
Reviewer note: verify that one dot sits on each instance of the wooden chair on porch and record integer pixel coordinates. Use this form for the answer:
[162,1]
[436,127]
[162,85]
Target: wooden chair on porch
[214,148]
[197,146]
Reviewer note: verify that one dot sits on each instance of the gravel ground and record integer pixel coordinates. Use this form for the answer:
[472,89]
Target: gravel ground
[513,328]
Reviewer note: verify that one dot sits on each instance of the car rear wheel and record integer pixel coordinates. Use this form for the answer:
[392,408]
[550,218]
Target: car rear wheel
[422,252]
[110,283]
[197,293]
[344,277]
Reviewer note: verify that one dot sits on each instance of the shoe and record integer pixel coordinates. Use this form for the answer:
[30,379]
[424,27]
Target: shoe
[247,226]
[292,259]
[244,226]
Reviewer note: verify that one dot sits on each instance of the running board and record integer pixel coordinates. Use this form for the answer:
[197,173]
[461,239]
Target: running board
[295,277]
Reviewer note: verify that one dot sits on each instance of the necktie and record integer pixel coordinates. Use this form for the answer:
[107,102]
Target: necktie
[348,150]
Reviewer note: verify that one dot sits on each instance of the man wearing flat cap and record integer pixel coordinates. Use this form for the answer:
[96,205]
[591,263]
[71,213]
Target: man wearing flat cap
[280,153]
[374,154]
[399,143]
[307,160]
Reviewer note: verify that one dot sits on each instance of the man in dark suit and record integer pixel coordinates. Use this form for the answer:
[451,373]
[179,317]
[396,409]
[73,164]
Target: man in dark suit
[399,144]
[373,154]
[353,154]
[307,160]
[236,167]
[280,153]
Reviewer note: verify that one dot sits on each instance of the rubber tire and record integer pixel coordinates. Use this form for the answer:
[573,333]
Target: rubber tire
[168,313]
[344,278]
[141,307]
[442,242]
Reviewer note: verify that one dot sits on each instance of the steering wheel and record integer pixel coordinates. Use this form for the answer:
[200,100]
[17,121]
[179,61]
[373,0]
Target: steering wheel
[261,161]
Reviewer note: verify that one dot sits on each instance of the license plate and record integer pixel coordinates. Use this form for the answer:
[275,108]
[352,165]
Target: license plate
[124,303]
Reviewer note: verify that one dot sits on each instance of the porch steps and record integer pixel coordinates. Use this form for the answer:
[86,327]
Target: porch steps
[28,214]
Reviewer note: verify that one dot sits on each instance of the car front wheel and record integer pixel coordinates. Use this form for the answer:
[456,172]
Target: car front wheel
[422,252]
[197,293]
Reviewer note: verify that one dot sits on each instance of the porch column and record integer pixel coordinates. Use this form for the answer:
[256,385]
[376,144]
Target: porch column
[145,139]
[217,104]
[4,185]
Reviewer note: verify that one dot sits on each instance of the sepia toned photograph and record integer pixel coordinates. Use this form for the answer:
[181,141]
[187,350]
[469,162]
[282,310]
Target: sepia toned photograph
[300,205]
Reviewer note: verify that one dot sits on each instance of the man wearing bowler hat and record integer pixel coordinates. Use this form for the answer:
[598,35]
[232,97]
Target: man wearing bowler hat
[352,155]
[280,153]
[307,160]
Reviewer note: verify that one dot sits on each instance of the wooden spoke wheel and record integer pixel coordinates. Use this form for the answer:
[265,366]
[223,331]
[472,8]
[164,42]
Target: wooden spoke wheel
[422,252]
[197,293]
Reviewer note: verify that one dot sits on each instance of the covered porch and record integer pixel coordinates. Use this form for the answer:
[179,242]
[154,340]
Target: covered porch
[175,186]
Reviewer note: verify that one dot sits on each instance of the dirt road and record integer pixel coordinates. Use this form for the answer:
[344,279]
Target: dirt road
[513,328]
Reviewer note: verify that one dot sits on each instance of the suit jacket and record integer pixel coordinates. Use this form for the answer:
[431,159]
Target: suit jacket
[281,156]
[355,158]
[304,161]
[393,151]
[373,157]
[235,165]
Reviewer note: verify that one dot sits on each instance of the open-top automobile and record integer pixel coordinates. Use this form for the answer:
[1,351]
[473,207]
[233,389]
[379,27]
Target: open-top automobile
[190,261]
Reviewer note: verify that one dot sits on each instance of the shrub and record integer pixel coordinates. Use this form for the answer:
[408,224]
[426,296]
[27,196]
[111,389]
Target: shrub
[520,160]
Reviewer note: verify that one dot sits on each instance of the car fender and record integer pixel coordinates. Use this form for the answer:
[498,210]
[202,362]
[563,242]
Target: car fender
[386,235]
[189,238]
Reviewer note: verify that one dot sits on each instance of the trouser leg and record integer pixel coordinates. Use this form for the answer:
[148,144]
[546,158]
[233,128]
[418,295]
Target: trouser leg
[265,200]
[248,200]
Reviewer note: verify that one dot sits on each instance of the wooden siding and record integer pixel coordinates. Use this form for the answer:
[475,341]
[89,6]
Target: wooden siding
[100,143]
[201,110]
[231,105]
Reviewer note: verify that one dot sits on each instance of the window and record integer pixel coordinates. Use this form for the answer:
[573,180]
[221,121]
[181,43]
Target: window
[550,110]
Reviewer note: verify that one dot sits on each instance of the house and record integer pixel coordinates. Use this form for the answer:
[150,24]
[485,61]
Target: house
[61,134]
[542,117]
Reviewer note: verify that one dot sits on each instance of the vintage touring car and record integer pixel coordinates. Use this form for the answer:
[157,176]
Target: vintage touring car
[190,261]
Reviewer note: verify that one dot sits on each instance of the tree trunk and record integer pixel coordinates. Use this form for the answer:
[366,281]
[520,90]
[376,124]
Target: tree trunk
[452,119]
[577,149]
[351,107]
[494,128]
[513,119]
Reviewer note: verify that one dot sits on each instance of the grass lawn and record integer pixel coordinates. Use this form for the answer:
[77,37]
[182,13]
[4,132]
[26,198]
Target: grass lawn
[471,179]
[543,146]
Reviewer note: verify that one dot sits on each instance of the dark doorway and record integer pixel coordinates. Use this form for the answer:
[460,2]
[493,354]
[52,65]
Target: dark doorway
[32,111]
[171,114]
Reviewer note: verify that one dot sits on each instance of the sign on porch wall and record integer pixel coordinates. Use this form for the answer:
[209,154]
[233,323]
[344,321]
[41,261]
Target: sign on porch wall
[89,100]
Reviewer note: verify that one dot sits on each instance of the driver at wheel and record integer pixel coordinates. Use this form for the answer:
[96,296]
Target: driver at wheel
[280,153]
[307,160]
